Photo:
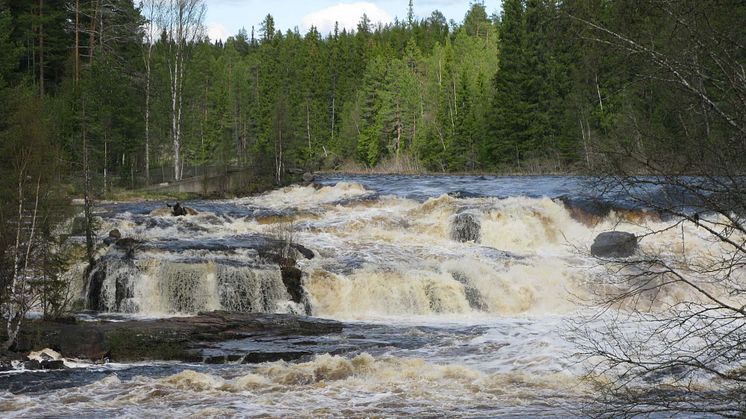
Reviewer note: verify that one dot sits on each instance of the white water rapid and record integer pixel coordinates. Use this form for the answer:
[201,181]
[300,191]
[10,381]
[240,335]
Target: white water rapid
[448,325]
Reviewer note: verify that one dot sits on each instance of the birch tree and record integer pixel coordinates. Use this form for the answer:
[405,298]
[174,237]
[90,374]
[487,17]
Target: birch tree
[182,22]
[26,211]
[152,10]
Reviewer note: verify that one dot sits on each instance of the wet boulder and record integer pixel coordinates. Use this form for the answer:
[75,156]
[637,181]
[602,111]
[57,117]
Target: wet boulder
[292,277]
[308,177]
[31,365]
[114,235]
[77,228]
[614,244]
[304,251]
[53,364]
[465,227]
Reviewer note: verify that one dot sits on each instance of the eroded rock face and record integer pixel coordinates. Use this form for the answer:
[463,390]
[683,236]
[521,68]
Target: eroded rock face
[465,227]
[614,244]
[292,278]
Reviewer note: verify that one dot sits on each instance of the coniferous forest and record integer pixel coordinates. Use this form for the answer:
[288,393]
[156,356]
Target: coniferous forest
[133,93]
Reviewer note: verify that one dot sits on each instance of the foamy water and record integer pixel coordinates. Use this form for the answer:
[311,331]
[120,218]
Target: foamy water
[474,329]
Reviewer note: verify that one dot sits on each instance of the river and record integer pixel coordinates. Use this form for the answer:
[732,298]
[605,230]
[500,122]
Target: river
[433,326]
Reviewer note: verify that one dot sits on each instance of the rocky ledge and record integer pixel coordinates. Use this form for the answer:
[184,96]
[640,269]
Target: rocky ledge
[188,339]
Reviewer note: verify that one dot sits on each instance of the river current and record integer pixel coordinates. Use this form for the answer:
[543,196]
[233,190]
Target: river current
[437,326]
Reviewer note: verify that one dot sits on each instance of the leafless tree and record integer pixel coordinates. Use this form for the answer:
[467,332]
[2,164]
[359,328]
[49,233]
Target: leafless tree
[182,22]
[152,10]
[26,213]
[671,334]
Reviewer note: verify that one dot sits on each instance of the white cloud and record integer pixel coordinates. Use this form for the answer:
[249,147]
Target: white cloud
[347,14]
[217,31]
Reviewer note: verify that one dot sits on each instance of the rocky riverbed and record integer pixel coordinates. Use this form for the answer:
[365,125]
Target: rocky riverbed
[193,339]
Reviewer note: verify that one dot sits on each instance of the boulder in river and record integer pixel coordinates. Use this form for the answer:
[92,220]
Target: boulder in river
[292,277]
[304,251]
[78,226]
[53,364]
[614,244]
[308,177]
[114,235]
[176,210]
[465,227]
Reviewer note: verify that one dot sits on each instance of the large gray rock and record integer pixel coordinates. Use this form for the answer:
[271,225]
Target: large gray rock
[465,228]
[114,235]
[614,244]
[308,177]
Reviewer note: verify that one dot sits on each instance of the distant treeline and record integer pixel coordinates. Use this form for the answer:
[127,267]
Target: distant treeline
[128,88]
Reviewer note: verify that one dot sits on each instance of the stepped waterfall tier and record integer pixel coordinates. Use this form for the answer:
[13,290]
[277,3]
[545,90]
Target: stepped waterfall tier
[447,294]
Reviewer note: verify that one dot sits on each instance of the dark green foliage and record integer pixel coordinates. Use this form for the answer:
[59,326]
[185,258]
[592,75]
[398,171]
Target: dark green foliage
[528,90]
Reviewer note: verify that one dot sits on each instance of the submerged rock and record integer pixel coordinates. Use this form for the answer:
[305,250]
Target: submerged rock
[472,294]
[465,227]
[464,194]
[614,244]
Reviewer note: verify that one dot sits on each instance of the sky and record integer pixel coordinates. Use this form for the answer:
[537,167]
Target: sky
[226,17]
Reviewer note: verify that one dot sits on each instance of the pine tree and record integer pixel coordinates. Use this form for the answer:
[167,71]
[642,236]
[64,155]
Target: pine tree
[510,124]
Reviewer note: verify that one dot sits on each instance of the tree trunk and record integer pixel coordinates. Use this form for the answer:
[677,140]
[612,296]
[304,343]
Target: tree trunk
[92,36]
[308,131]
[41,48]
[106,158]
[333,116]
[147,118]
[87,199]
[77,41]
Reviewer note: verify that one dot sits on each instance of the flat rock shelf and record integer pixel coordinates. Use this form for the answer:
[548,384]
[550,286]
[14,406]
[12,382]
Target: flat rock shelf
[191,339]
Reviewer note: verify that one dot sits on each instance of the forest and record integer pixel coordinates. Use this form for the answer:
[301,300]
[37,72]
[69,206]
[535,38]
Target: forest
[136,93]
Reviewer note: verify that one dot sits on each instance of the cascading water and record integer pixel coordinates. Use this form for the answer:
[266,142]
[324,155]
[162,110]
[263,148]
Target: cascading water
[152,286]
[454,291]
[378,255]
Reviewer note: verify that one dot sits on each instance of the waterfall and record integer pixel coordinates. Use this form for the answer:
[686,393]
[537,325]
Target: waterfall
[163,287]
